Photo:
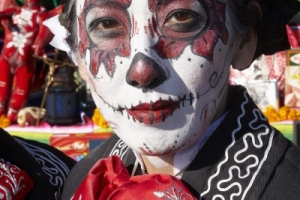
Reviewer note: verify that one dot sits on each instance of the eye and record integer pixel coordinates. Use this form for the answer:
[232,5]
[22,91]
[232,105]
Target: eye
[180,16]
[106,27]
[182,20]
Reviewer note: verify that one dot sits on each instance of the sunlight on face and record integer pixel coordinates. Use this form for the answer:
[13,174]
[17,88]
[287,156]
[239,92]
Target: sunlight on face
[158,70]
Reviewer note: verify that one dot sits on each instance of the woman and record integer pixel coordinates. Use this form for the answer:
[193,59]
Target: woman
[158,72]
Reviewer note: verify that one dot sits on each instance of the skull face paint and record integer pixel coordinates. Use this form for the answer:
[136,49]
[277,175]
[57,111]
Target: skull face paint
[158,69]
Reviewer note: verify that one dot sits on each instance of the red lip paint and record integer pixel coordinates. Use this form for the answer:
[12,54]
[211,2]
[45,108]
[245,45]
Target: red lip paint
[153,113]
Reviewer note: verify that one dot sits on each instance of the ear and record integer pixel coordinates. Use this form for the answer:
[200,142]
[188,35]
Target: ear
[243,56]
[246,47]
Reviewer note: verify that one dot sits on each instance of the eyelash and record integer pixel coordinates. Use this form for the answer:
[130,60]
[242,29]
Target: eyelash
[94,24]
[188,12]
[109,33]
[185,26]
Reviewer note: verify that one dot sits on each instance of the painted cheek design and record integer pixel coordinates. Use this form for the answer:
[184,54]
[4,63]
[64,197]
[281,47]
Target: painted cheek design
[84,42]
[152,5]
[98,56]
[204,45]
[152,27]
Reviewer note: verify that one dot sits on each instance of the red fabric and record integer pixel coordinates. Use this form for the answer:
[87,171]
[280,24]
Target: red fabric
[110,180]
[292,38]
[14,182]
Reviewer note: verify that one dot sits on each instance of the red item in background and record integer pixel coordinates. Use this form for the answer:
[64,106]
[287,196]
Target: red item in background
[294,35]
[294,41]
[71,145]
[24,36]
[109,180]
[16,60]
[77,145]
[14,182]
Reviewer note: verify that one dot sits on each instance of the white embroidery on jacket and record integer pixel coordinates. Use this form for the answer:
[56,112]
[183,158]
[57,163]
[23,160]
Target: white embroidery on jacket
[119,149]
[235,172]
[7,173]
[55,169]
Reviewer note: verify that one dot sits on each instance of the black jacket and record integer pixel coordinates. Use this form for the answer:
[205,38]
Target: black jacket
[245,158]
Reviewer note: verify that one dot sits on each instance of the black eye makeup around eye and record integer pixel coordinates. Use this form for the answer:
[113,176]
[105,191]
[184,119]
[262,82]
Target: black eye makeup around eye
[107,34]
[195,23]
[194,15]
[93,25]
[186,27]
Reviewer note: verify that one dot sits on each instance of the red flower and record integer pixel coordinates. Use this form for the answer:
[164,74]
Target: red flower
[110,180]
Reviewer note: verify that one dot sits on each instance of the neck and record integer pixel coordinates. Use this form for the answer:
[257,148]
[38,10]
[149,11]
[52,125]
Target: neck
[159,164]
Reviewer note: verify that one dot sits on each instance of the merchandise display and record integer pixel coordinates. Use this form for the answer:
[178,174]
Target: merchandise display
[292,79]
[74,140]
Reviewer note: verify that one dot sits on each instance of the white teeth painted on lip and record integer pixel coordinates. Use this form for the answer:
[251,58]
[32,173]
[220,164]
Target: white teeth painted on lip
[191,98]
[182,99]
[152,104]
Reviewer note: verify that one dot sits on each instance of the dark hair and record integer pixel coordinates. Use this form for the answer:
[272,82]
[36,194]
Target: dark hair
[68,19]
[243,17]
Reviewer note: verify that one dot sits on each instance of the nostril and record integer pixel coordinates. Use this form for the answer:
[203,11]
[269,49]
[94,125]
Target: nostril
[144,72]
[134,83]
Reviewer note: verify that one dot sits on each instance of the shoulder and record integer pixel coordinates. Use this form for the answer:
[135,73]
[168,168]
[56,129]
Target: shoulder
[284,184]
[291,162]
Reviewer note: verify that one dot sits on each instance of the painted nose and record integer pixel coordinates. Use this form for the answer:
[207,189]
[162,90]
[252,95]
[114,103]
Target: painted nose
[144,72]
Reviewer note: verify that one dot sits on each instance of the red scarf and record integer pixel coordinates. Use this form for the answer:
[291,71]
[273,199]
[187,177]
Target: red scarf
[109,180]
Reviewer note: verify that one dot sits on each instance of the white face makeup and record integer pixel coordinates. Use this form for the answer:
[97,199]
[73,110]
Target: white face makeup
[158,70]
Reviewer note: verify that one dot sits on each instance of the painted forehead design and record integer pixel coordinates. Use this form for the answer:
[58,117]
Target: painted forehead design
[167,47]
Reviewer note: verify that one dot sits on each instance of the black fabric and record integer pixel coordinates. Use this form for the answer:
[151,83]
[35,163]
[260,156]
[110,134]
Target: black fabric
[245,156]
[272,35]
[212,153]
[46,165]
[284,184]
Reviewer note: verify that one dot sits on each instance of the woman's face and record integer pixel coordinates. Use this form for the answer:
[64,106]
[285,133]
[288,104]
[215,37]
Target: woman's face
[158,69]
